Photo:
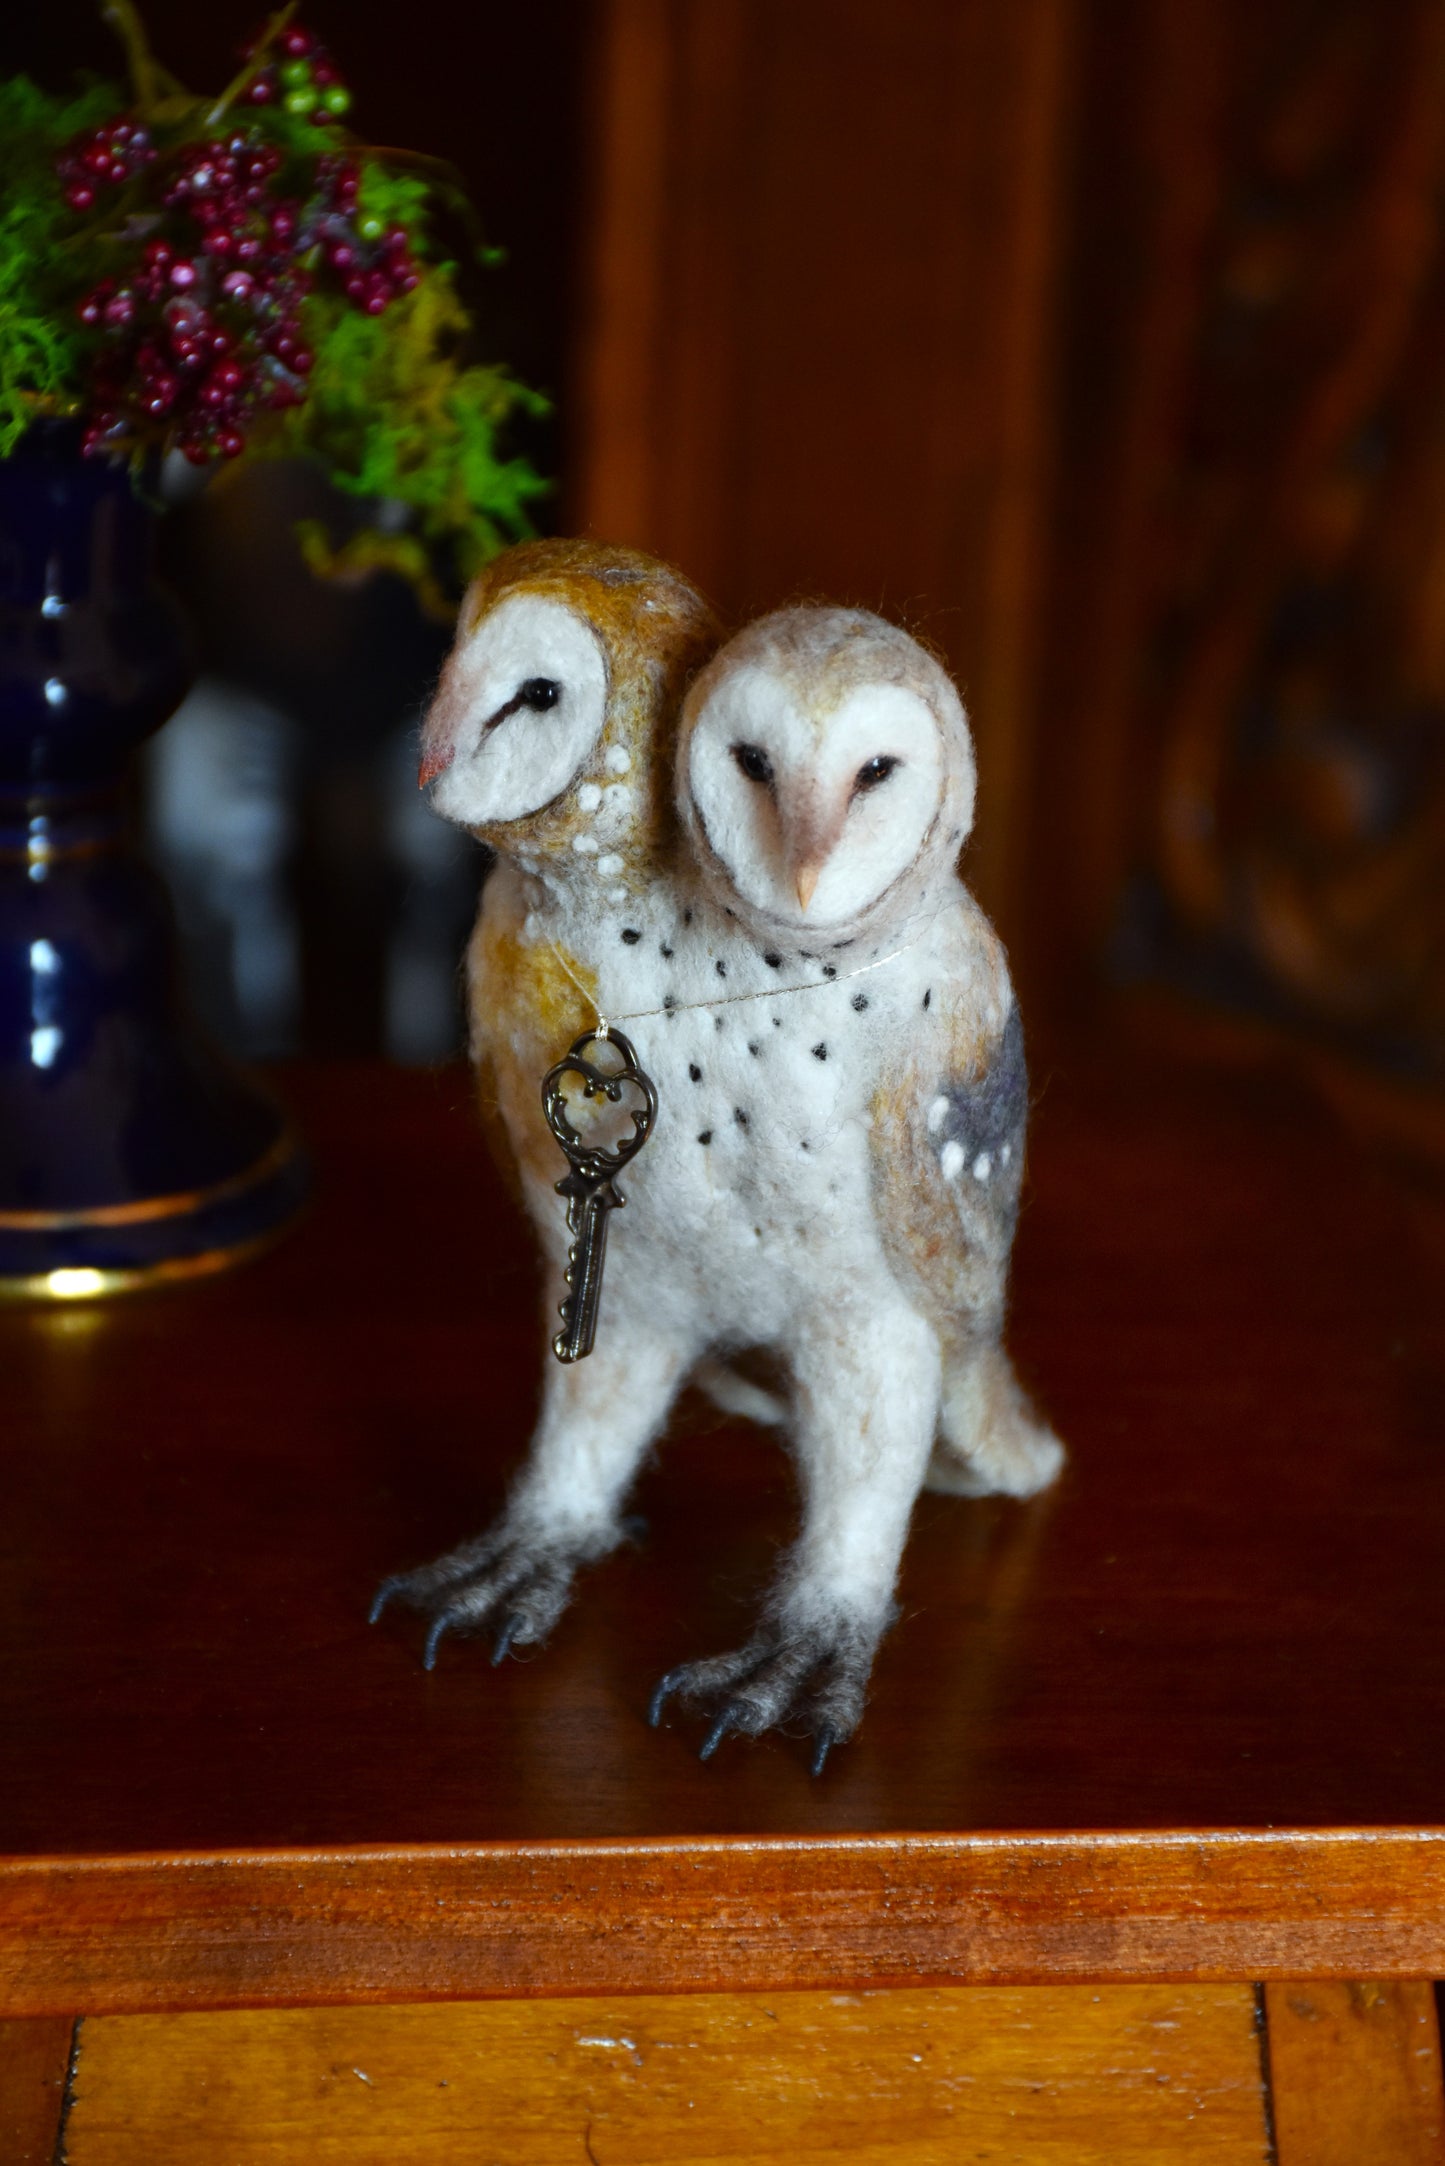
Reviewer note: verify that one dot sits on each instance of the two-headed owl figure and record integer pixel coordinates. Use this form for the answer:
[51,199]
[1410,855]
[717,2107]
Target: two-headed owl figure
[743,856]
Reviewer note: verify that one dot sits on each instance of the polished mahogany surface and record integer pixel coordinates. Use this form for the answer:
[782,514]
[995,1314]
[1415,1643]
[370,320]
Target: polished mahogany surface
[1230,1613]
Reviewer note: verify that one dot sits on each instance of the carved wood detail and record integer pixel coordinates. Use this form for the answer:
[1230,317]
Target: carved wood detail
[1294,713]
[1106,347]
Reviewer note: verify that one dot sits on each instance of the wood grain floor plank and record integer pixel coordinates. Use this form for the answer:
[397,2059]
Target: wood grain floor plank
[1030,2076]
[131,1936]
[34,2058]
[1355,2074]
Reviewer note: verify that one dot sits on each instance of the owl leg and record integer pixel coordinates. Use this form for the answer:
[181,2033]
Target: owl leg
[991,1440]
[598,1418]
[867,1387]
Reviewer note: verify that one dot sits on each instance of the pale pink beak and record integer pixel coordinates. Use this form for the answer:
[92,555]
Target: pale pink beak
[435,760]
[815,841]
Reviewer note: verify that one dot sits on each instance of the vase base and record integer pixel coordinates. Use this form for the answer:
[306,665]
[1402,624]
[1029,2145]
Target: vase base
[90,1255]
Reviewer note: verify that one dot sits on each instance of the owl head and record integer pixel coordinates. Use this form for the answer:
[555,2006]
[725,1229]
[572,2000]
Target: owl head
[551,731]
[825,772]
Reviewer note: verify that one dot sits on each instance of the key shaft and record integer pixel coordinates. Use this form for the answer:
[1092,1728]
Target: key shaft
[590,1207]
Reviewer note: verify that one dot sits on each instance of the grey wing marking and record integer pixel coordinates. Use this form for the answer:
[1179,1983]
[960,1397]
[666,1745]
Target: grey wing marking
[951,1175]
[969,1157]
[977,1127]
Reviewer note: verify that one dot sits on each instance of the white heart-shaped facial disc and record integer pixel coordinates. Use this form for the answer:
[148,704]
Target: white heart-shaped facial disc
[521,704]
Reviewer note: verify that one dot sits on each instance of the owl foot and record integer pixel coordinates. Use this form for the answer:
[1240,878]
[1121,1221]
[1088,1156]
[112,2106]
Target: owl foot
[513,1582]
[813,1675]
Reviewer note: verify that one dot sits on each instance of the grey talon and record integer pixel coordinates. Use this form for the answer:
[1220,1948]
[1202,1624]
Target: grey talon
[505,1638]
[433,1640]
[827,1738]
[665,1687]
[380,1599]
[716,1734]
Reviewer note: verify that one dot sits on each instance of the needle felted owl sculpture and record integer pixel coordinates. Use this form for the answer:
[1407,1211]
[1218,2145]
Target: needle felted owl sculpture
[828,1025]
[866,1187]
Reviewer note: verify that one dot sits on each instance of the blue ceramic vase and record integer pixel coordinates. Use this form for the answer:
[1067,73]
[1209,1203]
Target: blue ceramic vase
[130,1151]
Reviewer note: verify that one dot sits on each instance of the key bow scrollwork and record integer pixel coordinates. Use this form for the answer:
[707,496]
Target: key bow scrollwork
[594,1161]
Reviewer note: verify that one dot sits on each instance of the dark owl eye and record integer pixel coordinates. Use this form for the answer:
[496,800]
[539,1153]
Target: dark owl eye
[869,776]
[754,762]
[539,693]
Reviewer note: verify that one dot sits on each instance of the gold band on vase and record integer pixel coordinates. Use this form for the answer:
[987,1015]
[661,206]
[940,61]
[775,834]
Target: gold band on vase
[82,1282]
[153,1207]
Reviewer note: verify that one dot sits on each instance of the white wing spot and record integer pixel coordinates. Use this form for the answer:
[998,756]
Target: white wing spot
[617,797]
[951,1160]
[982,1166]
[618,760]
[937,1115]
[617,894]
[589,797]
[586,844]
[1006,1153]
[609,866]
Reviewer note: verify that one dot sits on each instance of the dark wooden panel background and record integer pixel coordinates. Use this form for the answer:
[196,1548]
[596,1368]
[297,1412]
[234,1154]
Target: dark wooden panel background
[825,254]
[1104,345]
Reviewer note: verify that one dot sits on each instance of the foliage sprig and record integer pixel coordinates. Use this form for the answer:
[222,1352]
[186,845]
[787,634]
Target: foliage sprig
[241,275]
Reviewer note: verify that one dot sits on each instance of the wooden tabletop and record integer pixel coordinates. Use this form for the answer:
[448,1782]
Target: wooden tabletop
[1183,1716]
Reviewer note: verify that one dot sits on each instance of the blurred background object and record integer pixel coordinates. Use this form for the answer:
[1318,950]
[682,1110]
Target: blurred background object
[131,1152]
[1104,346]
[322,909]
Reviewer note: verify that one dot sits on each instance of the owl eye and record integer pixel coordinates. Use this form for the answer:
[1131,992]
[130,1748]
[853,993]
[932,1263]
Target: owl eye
[870,775]
[538,693]
[754,762]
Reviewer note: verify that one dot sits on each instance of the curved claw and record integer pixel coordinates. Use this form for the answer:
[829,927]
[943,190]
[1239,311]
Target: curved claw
[433,1641]
[826,1738]
[383,1595]
[505,1638]
[666,1686]
[726,1721]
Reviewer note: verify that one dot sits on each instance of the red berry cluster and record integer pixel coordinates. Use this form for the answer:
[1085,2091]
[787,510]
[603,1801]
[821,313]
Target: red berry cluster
[374,263]
[103,160]
[305,79]
[203,333]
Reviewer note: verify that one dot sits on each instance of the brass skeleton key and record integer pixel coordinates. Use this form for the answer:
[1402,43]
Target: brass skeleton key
[590,1188]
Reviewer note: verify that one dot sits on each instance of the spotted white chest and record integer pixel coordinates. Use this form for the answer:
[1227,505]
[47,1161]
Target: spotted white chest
[756,1191]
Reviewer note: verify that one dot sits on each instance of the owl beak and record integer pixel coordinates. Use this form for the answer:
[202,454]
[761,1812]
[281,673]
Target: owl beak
[816,840]
[435,760]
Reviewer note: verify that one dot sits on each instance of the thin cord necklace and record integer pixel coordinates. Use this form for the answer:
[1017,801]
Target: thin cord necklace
[603,1031]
